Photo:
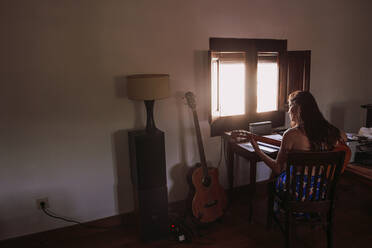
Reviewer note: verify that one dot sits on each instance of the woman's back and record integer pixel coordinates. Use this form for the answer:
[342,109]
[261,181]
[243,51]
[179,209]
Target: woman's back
[310,131]
[297,140]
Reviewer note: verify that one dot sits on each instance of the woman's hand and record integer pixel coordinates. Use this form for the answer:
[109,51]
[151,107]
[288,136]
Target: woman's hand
[254,144]
[275,165]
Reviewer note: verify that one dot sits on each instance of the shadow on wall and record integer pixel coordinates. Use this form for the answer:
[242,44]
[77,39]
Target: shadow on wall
[178,172]
[121,92]
[344,115]
[201,82]
[123,186]
[337,115]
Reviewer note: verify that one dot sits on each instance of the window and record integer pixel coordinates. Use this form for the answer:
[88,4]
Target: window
[267,82]
[228,84]
[248,81]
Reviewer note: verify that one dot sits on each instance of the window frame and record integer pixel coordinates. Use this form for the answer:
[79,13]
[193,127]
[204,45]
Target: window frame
[271,57]
[224,58]
[251,48]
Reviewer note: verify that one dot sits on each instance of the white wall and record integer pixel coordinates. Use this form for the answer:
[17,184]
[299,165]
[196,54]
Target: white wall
[64,115]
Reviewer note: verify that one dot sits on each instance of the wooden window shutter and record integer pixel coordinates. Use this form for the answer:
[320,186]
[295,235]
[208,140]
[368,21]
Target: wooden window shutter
[298,75]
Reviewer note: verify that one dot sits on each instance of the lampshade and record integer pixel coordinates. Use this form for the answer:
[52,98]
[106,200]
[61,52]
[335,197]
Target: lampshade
[148,86]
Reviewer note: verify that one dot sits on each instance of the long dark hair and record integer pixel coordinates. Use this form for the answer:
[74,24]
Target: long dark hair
[321,134]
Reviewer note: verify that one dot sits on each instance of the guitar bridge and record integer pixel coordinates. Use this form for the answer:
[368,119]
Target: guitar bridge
[211,204]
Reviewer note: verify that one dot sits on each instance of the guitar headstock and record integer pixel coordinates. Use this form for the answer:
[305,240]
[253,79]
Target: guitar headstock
[190,97]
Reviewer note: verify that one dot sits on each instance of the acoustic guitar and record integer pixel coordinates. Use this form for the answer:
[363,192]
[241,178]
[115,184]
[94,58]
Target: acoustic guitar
[209,201]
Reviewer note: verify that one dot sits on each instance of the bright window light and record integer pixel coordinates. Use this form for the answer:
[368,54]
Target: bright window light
[215,102]
[267,87]
[232,89]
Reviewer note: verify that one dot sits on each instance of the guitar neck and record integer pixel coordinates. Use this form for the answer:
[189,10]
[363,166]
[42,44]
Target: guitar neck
[244,136]
[191,102]
[267,140]
[200,142]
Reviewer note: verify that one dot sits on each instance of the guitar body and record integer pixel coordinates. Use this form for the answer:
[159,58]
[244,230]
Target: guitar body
[208,203]
[209,200]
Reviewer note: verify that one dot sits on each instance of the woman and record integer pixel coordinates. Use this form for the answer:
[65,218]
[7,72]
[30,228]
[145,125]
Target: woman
[309,131]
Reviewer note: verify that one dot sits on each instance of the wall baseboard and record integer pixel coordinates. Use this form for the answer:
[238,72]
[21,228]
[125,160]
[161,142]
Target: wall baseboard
[126,220]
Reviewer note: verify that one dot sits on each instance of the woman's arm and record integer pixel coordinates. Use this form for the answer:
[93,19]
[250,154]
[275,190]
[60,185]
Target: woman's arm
[343,136]
[276,165]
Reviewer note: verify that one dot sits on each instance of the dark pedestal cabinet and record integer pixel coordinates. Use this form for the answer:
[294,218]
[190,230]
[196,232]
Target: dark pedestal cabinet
[147,161]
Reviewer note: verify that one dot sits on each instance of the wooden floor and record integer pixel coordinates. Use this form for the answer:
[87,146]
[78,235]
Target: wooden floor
[353,227]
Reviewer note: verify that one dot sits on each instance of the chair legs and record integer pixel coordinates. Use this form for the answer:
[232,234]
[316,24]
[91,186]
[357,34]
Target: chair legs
[329,236]
[289,230]
[330,231]
[270,209]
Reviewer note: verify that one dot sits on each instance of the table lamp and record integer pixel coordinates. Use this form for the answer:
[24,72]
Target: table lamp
[148,87]
[147,158]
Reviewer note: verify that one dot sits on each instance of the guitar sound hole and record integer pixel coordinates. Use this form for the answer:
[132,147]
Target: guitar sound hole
[206,181]
[211,204]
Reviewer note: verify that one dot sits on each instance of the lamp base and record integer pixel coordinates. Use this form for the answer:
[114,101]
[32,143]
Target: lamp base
[150,123]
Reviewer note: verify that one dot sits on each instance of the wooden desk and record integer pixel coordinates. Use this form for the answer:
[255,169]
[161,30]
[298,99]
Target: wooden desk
[362,173]
[360,170]
[234,148]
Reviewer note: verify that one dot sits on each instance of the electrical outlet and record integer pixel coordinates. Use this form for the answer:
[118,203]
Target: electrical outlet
[42,200]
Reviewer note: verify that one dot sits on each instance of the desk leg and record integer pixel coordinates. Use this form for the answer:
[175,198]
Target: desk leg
[252,184]
[230,170]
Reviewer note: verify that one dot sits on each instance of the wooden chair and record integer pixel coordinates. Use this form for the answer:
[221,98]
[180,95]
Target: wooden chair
[309,192]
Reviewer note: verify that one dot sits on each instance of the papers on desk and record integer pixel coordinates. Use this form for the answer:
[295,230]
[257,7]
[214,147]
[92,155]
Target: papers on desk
[366,132]
[266,148]
[247,146]
[274,137]
[352,137]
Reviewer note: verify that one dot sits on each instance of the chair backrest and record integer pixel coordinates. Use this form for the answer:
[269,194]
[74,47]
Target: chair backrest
[312,175]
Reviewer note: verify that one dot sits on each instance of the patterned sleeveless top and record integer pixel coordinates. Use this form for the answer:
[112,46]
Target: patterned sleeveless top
[315,178]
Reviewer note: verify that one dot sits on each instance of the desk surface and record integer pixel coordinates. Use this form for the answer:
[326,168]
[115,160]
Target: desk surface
[362,171]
